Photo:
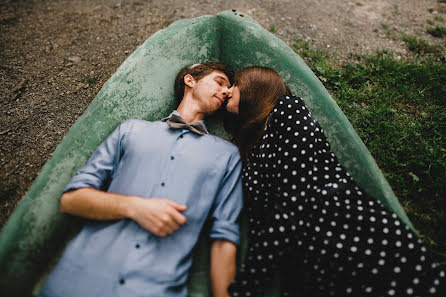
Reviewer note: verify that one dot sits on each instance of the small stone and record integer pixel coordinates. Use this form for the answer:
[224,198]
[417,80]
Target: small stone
[74,59]
[5,131]
[19,86]
[79,86]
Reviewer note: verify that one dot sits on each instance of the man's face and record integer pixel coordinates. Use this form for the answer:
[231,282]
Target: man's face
[211,91]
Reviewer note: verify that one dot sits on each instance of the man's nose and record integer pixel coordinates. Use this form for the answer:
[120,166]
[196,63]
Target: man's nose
[228,91]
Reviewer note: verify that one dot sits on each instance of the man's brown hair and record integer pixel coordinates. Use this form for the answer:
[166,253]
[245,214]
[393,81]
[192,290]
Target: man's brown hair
[198,71]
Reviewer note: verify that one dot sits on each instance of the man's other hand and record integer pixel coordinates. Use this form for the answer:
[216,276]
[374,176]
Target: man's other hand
[159,216]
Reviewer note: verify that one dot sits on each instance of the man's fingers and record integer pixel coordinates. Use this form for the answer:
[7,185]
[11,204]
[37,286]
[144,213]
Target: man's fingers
[177,206]
[178,217]
[163,230]
[168,222]
[161,216]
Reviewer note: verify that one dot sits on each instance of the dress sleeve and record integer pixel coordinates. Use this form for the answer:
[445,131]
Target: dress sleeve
[102,164]
[228,203]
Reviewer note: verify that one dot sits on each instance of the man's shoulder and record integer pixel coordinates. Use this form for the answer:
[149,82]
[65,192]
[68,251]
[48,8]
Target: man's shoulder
[133,122]
[137,123]
[223,143]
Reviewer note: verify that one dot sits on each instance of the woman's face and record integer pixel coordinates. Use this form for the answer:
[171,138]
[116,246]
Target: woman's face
[234,100]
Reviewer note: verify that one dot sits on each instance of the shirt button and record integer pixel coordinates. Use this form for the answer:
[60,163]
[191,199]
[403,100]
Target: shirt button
[122,281]
[172,157]
[162,184]
[137,245]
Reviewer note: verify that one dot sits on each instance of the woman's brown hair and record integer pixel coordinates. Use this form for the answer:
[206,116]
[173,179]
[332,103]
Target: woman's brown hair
[260,87]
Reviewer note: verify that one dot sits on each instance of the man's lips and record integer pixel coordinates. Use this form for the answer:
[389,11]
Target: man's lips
[220,99]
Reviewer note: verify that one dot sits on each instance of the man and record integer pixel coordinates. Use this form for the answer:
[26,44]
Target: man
[148,189]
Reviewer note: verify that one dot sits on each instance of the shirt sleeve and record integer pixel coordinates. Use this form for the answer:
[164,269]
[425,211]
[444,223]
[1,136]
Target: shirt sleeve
[102,164]
[228,203]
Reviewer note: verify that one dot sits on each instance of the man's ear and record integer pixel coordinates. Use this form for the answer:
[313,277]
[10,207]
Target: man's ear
[189,80]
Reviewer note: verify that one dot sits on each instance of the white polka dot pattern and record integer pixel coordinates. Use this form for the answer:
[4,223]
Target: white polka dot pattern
[307,217]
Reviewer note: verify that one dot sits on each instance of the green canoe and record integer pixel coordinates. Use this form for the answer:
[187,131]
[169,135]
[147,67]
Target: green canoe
[34,236]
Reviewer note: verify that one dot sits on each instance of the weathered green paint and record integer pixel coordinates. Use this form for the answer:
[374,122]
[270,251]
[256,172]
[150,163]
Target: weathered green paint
[142,87]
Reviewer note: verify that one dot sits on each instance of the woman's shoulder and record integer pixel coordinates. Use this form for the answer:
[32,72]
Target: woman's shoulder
[287,102]
[288,105]
[290,115]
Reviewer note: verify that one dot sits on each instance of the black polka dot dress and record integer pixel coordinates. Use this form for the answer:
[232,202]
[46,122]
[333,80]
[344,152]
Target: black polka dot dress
[309,219]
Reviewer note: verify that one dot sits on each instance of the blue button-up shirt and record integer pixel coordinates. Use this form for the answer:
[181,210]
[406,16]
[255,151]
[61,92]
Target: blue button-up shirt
[148,159]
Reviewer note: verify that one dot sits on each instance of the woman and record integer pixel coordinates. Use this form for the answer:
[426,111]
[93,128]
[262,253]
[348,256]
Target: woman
[305,210]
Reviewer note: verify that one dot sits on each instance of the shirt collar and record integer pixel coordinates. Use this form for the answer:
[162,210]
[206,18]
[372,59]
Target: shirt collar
[178,114]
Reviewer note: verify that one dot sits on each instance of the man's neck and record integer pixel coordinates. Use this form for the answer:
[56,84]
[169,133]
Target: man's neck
[189,111]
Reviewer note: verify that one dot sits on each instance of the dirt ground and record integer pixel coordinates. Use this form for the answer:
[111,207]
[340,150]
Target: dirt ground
[56,55]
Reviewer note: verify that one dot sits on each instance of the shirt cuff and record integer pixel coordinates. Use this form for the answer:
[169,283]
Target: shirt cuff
[78,182]
[225,230]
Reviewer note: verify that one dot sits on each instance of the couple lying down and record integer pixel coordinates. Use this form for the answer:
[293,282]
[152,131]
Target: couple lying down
[148,189]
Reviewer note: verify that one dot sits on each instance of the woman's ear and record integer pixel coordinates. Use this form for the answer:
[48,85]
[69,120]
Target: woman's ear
[189,80]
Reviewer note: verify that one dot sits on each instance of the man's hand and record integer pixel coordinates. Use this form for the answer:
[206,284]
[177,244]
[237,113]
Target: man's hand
[158,215]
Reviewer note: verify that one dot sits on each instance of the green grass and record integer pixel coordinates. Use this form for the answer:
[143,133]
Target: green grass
[420,46]
[438,31]
[272,29]
[399,110]
[91,80]
[439,18]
